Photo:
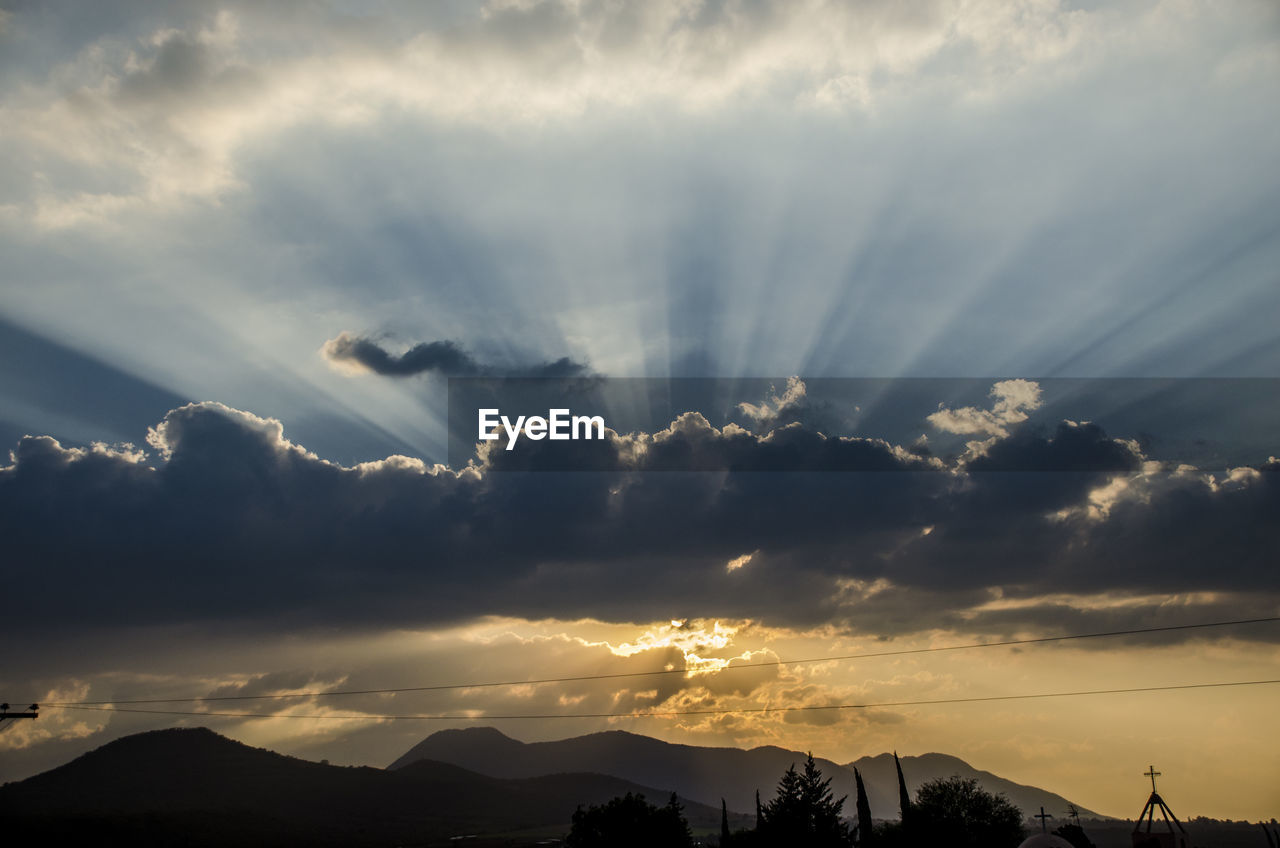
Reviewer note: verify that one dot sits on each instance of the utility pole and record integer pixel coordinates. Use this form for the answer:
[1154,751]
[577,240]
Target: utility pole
[32,711]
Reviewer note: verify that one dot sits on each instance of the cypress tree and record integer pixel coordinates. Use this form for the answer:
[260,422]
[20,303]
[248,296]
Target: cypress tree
[866,832]
[904,797]
[724,823]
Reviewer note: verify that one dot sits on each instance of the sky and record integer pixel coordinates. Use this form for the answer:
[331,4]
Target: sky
[247,246]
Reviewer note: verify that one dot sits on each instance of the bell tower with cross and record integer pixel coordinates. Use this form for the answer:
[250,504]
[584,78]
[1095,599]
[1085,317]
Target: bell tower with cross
[1171,835]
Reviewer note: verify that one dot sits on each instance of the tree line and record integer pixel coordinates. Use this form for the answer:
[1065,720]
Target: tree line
[804,813]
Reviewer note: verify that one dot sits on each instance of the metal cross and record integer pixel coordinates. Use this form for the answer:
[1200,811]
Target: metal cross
[1044,819]
[1153,774]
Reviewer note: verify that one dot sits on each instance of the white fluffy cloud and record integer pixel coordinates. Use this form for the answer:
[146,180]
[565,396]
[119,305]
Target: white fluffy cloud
[1012,401]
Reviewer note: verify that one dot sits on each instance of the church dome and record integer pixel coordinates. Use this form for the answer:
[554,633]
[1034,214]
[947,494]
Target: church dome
[1045,840]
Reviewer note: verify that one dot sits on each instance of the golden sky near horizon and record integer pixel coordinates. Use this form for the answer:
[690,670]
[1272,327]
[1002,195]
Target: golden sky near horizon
[1090,749]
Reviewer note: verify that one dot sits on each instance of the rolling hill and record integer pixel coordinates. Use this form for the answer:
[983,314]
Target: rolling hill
[194,787]
[704,774]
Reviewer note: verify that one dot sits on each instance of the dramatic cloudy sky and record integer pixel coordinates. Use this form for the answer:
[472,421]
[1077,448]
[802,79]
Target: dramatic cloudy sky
[245,247]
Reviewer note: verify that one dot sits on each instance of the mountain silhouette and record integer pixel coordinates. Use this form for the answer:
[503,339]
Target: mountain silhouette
[194,787]
[882,783]
[705,774]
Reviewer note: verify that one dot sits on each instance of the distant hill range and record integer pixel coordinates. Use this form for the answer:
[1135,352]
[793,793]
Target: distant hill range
[707,774]
[194,787]
[474,787]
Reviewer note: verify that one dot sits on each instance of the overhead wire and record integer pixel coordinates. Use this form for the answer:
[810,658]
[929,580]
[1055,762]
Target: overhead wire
[668,671]
[671,713]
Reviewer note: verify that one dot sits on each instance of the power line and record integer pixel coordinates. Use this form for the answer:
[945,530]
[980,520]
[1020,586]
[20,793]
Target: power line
[667,713]
[626,674]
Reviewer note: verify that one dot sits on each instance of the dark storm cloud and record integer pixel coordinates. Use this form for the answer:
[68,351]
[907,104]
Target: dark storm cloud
[1074,447]
[445,358]
[238,523]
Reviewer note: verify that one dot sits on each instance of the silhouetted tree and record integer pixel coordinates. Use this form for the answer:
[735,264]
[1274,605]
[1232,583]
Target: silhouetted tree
[630,822]
[957,811]
[752,837]
[804,812]
[904,797]
[784,814]
[866,830]
[725,839]
[674,811]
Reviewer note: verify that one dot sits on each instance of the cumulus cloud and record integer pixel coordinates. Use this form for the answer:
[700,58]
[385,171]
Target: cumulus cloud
[778,408]
[446,358]
[237,522]
[1073,447]
[1012,401]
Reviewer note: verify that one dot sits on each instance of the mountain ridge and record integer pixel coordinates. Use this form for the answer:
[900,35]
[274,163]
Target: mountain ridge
[707,774]
[163,786]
